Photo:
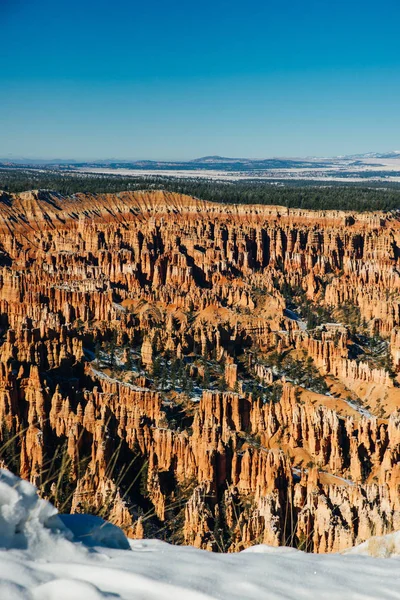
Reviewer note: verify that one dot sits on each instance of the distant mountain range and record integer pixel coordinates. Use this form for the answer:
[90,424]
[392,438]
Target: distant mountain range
[392,154]
[206,162]
[215,163]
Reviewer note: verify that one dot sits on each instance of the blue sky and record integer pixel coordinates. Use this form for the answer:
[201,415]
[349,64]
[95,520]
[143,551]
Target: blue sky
[177,80]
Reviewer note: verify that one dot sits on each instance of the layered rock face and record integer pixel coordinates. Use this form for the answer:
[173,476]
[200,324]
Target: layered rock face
[212,375]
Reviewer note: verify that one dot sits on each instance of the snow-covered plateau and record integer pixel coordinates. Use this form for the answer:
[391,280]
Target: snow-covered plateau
[47,556]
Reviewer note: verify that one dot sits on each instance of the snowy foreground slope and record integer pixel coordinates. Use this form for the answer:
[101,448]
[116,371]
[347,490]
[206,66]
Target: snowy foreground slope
[45,556]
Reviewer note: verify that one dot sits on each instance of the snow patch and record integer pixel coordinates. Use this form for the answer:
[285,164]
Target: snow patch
[384,546]
[92,531]
[363,411]
[45,556]
[23,514]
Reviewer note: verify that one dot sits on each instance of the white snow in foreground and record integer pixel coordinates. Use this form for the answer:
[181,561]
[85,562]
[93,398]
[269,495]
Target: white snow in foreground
[44,556]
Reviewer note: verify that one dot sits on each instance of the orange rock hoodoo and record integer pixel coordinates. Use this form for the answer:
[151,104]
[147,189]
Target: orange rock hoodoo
[149,366]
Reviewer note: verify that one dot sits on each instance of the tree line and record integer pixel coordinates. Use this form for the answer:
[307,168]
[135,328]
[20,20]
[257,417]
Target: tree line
[306,195]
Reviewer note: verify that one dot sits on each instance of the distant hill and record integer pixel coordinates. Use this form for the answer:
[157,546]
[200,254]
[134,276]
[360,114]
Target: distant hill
[207,162]
[391,154]
[211,163]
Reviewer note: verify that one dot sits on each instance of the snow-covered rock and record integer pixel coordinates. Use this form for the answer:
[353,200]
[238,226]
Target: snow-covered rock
[22,513]
[92,531]
[45,556]
[379,546]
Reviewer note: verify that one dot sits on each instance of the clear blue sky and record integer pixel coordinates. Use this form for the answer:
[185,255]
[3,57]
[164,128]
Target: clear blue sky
[179,79]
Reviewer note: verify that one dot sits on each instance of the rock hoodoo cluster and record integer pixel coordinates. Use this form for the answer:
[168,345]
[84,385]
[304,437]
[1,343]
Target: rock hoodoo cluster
[213,375]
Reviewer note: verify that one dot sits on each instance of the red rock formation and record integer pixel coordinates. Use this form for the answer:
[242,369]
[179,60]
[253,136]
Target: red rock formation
[126,319]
